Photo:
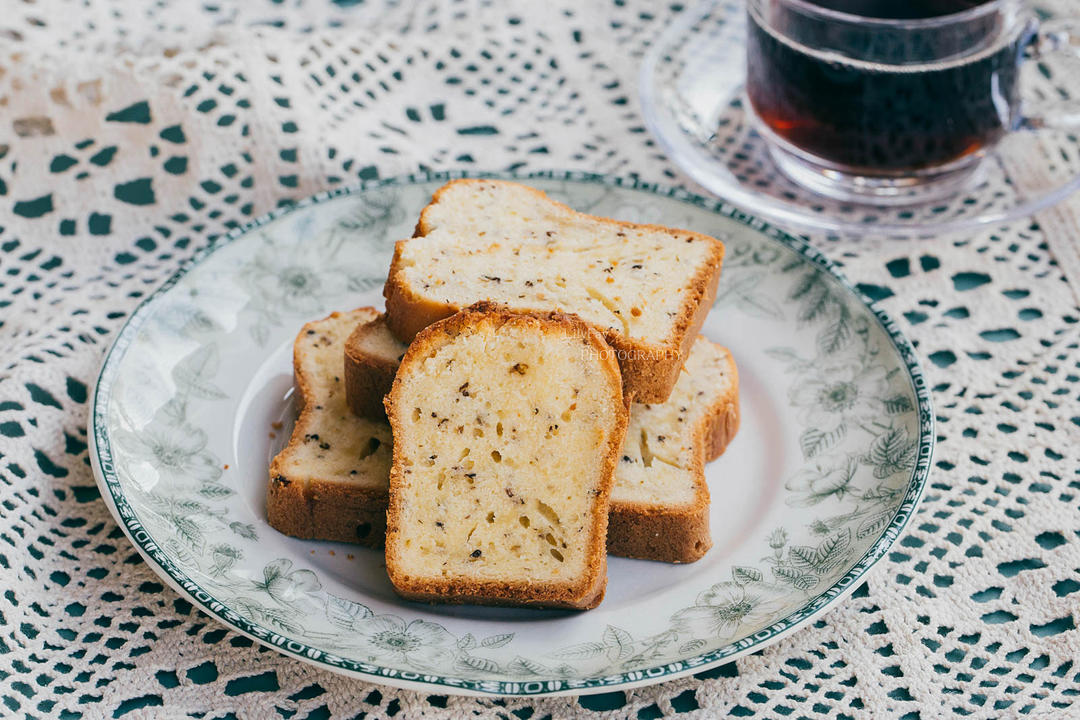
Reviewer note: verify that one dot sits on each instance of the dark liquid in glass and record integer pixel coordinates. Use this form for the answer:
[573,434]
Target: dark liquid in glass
[896,112]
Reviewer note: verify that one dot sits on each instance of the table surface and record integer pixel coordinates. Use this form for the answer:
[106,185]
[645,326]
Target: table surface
[140,132]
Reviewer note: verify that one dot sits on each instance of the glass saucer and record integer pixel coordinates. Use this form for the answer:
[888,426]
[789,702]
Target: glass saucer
[691,90]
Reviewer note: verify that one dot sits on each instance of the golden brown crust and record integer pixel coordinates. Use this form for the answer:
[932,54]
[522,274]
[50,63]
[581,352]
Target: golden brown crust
[516,594]
[649,371]
[321,509]
[367,378]
[582,594]
[407,313]
[673,534]
[649,533]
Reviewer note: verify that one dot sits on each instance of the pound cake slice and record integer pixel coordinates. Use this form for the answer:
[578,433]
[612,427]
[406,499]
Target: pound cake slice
[372,356]
[646,288]
[660,500]
[329,482]
[660,503]
[507,428]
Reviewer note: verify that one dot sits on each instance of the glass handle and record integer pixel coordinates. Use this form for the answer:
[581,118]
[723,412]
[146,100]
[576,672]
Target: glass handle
[1054,37]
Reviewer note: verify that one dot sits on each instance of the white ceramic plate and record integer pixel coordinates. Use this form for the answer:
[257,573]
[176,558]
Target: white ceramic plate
[827,468]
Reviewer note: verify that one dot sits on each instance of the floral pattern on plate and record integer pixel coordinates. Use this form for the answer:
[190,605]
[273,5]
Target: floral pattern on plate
[853,436]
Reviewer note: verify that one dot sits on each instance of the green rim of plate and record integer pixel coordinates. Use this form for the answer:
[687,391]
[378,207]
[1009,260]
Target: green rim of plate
[133,527]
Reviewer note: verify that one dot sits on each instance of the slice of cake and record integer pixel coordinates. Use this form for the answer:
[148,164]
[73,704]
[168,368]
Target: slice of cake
[507,429]
[646,288]
[330,482]
[660,501]
[372,356]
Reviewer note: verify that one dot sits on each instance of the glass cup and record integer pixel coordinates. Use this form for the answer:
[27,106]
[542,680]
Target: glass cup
[894,110]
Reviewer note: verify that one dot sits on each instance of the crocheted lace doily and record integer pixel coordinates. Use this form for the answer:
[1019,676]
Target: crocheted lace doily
[135,133]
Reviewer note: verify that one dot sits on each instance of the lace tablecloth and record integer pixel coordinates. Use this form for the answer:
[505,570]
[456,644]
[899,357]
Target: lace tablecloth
[132,134]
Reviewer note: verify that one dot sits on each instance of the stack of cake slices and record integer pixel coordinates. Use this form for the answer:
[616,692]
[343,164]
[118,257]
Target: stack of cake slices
[535,396]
